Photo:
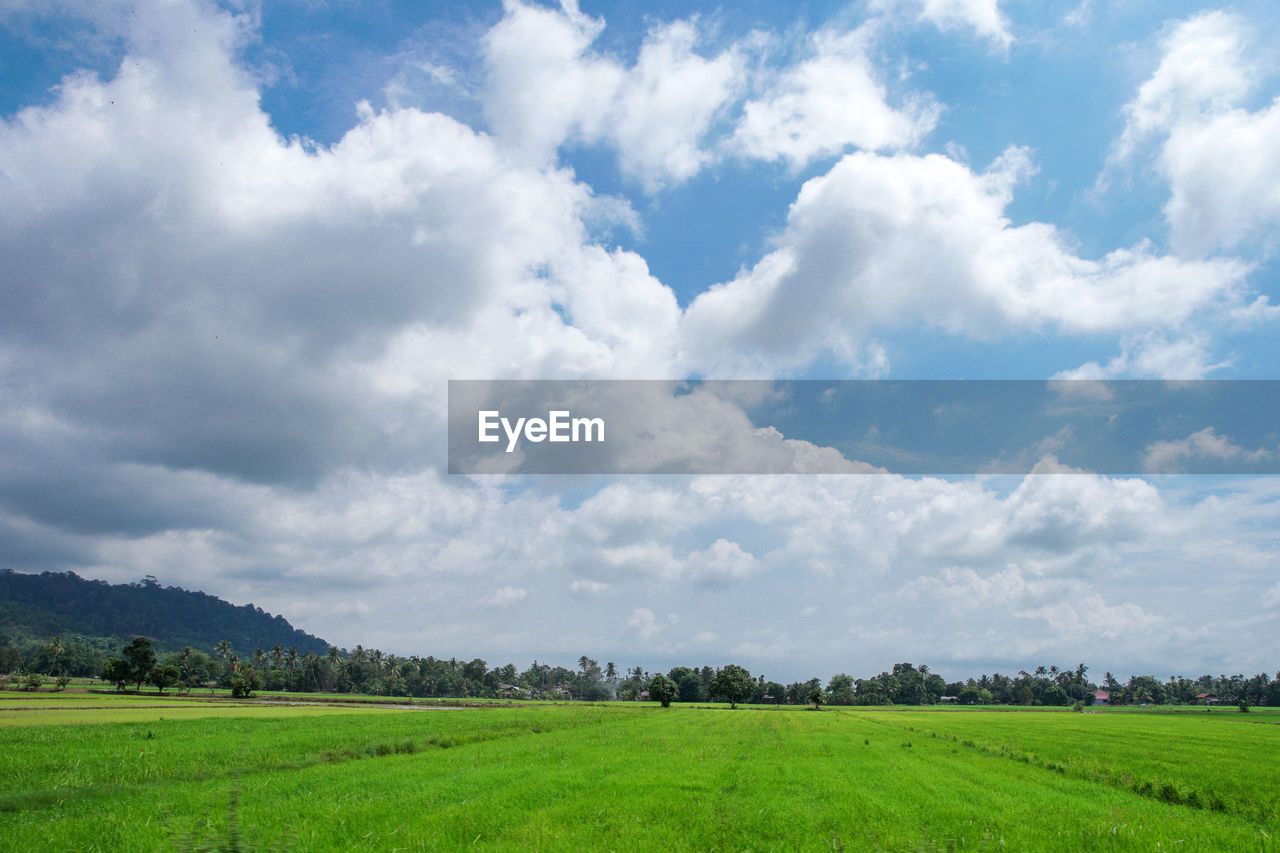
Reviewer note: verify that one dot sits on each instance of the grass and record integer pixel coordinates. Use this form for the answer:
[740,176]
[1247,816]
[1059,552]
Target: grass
[1180,758]
[148,712]
[632,777]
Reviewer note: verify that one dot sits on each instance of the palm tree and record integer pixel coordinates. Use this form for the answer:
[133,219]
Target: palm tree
[258,657]
[56,649]
[1109,683]
[277,655]
[224,649]
[292,658]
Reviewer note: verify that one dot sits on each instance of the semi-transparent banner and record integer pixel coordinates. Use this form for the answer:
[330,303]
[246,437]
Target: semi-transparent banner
[1128,427]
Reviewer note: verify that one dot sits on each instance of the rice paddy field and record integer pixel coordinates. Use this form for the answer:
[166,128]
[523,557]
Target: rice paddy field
[100,771]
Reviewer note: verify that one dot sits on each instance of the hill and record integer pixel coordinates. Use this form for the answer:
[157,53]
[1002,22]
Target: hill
[38,607]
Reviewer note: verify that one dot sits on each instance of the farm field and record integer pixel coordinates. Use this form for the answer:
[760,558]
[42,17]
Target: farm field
[629,777]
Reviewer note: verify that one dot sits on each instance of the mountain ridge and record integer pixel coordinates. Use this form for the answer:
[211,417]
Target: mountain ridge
[63,603]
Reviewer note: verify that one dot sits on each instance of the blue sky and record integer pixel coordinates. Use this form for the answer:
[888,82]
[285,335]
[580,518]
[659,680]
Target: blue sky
[248,244]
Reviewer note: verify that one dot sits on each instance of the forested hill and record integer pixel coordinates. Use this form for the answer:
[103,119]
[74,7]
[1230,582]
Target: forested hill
[66,604]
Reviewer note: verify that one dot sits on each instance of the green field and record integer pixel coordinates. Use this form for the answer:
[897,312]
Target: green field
[632,777]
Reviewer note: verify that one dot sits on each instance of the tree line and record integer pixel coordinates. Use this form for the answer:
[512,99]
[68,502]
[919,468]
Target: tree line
[374,672]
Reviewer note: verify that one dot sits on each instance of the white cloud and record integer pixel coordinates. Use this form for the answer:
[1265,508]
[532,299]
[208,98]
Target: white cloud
[981,17]
[644,623]
[1221,160]
[735,557]
[1159,355]
[722,563]
[825,104]
[667,115]
[586,587]
[506,596]
[547,87]
[667,104]
[880,241]
[1168,457]
[1028,611]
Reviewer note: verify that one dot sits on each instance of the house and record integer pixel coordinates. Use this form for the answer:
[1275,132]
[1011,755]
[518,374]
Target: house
[948,700]
[644,696]
[1101,697]
[1207,699]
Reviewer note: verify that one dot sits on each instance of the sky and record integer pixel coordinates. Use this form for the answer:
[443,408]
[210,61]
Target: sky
[248,244]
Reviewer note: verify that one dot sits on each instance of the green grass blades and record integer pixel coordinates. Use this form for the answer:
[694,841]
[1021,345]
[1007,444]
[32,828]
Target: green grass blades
[629,777]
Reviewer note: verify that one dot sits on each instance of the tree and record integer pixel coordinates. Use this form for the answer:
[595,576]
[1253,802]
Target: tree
[689,683]
[165,676]
[56,649]
[732,682]
[840,690]
[141,658]
[663,689]
[118,672]
[815,698]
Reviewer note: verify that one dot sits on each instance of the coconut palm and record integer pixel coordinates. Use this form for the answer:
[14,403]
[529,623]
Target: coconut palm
[56,649]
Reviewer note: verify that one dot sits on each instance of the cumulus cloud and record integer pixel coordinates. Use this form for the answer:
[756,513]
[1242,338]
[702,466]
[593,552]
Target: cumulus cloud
[188,262]
[1169,457]
[1220,159]
[644,623]
[548,87]
[1156,355]
[826,103]
[982,18]
[669,114]
[882,240]
[722,563]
